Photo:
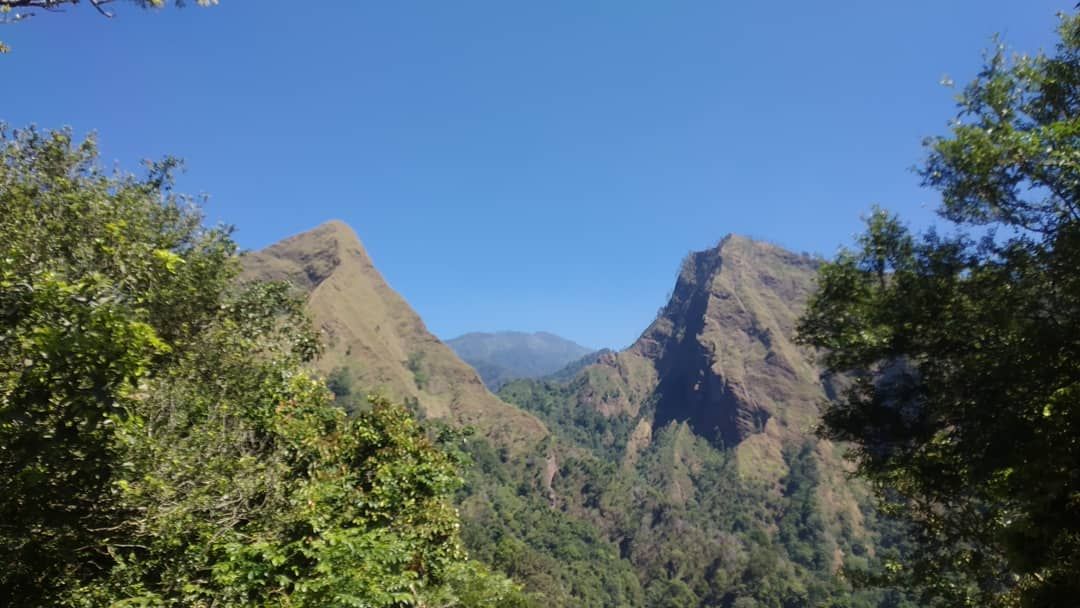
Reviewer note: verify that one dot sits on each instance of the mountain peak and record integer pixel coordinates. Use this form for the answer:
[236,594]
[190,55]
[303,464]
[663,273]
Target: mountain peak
[374,335]
[763,252]
[309,258]
[332,237]
[721,355]
[731,253]
[336,224]
[335,231]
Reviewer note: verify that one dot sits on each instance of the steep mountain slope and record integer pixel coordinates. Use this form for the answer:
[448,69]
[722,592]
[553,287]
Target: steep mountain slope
[698,460]
[507,355]
[721,355]
[378,341]
[679,472]
[573,368]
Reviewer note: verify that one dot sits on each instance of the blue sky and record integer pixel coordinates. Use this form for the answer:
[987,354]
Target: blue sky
[524,165]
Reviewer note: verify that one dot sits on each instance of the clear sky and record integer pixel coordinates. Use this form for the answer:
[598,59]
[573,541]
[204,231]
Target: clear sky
[524,165]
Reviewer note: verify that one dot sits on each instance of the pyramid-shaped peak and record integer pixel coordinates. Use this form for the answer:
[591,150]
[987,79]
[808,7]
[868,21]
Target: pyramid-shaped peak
[699,266]
[371,332]
[333,235]
[334,239]
[735,244]
[336,228]
[309,258]
[739,269]
[723,350]
[739,241]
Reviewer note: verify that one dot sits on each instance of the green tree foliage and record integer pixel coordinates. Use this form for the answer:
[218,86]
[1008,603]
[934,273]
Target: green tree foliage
[161,442]
[555,403]
[678,526]
[964,351]
[510,523]
[415,364]
[342,384]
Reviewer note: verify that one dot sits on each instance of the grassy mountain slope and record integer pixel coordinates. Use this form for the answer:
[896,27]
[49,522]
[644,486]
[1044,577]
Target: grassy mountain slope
[721,357]
[506,355]
[679,472]
[376,341]
[373,336]
[697,461]
[573,368]
[724,354]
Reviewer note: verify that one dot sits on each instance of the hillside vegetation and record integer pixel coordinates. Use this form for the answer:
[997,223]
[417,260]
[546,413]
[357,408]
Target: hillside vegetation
[162,442]
[682,471]
[185,425]
[692,452]
[963,348]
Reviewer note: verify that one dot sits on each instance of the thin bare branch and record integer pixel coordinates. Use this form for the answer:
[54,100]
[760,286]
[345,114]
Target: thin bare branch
[97,5]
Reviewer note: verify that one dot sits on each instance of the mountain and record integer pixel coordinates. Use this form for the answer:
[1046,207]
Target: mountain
[696,456]
[721,356]
[376,341]
[682,471]
[508,355]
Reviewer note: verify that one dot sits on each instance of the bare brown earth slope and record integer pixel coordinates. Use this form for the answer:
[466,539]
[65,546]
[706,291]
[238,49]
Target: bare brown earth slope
[370,331]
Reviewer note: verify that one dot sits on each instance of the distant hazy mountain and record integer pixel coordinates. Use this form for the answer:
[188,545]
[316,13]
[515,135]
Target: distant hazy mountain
[506,355]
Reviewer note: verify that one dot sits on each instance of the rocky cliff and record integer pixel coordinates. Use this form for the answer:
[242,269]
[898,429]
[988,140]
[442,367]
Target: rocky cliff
[721,356]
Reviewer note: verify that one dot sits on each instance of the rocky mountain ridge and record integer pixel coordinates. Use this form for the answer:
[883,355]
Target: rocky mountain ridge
[682,469]
[708,418]
[721,354]
[372,334]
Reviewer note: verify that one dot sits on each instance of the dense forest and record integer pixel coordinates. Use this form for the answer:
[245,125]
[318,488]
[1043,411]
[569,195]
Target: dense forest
[186,424]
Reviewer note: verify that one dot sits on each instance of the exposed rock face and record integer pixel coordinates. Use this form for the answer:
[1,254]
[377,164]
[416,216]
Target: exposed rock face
[371,331]
[721,355]
[708,418]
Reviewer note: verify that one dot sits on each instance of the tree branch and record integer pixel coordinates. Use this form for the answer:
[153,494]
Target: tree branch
[97,5]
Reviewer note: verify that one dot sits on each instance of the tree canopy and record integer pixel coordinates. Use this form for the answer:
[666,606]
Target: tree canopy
[161,440]
[962,351]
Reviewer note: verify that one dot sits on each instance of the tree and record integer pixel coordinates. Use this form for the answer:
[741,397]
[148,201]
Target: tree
[13,11]
[161,440]
[962,352]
